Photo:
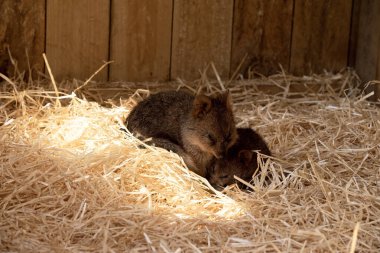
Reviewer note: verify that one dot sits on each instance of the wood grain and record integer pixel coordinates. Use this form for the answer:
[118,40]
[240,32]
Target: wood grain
[262,31]
[320,35]
[22,29]
[365,46]
[141,40]
[77,38]
[377,87]
[201,34]
[368,40]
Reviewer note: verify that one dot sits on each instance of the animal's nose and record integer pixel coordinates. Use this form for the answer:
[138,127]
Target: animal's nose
[218,153]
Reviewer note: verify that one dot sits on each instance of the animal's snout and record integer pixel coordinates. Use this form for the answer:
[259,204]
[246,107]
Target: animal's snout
[221,151]
[216,153]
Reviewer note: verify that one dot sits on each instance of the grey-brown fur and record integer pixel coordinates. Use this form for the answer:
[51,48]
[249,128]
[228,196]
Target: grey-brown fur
[241,159]
[198,128]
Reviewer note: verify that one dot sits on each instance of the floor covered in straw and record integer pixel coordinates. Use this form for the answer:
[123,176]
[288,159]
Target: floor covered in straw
[71,180]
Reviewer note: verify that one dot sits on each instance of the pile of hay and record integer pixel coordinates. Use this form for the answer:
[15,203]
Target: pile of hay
[71,180]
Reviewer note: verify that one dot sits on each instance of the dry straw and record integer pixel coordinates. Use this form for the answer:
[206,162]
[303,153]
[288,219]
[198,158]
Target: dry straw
[71,180]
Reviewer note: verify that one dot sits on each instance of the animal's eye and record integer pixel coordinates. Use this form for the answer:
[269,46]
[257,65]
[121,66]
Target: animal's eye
[212,169]
[224,176]
[211,139]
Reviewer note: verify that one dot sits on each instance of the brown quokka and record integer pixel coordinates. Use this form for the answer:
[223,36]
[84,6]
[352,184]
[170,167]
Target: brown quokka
[241,159]
[197,128]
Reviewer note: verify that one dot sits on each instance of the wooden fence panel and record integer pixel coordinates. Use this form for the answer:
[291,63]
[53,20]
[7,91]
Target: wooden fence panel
[367,38]
[22,29]
[320,37]
[365,49]
[141,39]
[201,34]
[262,30]
[166,39]
[77,38]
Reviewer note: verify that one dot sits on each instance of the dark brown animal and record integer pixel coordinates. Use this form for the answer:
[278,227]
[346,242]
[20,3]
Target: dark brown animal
[197,128]
[241,159]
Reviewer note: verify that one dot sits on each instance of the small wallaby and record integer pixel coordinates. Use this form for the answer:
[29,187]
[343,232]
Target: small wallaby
[197,128]
[241,159]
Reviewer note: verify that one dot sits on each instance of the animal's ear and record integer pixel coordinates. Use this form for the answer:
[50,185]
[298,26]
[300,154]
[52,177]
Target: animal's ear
[225,97]
[245,156]
[201,106]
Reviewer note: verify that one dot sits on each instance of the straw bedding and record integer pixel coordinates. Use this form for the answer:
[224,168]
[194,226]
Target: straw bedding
[71,180]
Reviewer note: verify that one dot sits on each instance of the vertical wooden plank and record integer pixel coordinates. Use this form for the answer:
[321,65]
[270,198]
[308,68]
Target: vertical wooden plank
[367,47]
[22,28]
[77,38]
[377,87]
[201,34]
[262,31]
[141,39]
[354,29]
[368,40]
[320,35]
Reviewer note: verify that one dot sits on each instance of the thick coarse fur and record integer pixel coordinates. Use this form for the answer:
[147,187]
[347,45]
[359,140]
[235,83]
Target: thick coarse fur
[241,159]
[198,128]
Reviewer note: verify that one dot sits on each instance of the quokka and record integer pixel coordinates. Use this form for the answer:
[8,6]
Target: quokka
[198,128]
[241,159]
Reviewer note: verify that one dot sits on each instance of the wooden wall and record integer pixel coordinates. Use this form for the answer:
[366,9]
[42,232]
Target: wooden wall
[365,38]
[201,33]
[22,31]
[140,40]
[262,31]
[77,37]
[151,40]
[321,32]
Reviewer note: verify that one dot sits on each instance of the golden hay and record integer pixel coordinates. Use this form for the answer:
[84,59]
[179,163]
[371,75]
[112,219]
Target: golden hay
[71,180]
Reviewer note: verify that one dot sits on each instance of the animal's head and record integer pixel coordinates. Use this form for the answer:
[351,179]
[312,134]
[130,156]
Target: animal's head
[212,126]
[242,164]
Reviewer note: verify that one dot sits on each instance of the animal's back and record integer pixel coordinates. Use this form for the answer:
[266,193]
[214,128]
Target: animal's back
[160,115]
